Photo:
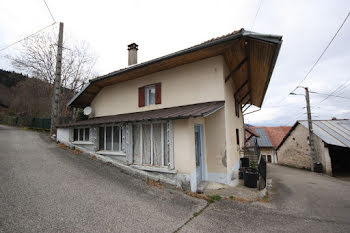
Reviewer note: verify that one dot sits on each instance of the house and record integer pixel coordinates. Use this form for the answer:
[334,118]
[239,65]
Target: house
[178,116]
[268,140]
[332,145]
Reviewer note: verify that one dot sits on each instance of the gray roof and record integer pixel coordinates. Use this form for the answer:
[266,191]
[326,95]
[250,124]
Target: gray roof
[332,132]
[179,112]
[263,139]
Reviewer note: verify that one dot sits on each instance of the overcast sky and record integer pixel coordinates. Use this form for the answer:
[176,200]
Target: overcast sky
[162,27]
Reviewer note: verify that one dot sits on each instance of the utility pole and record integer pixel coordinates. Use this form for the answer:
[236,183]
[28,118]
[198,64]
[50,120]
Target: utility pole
[311,140]
[57,82]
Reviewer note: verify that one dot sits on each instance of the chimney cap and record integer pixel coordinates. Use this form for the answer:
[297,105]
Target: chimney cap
[133,46]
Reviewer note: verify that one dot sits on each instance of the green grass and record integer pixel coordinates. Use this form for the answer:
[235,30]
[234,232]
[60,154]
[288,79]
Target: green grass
[214,198]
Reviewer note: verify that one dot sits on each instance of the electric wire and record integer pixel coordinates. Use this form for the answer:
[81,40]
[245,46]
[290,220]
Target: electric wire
[49,11]
[7,46]
[324,51]
[257,12]
[329,95]
[341,87]
[319,58]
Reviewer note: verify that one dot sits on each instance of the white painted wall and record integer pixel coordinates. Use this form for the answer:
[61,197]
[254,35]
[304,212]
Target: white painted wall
[62,134]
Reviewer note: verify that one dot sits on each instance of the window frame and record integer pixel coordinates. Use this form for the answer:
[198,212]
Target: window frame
[147,97]
[84,130]
[121,127]
[163,124]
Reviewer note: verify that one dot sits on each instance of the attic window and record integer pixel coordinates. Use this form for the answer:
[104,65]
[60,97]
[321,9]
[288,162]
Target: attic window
[150,95]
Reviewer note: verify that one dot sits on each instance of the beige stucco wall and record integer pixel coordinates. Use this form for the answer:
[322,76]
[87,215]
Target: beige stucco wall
[295,150]
[184,146]
[183,139]
[216,142]
[219,136]
[196,82]
[202,81]
[232,122]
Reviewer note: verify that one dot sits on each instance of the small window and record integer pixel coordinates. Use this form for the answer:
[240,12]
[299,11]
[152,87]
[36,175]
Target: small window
[102,138]
[87,134]
[237,137]
[81,134]
[150,95]
[108,138]
[269,160]
[111,138]
[75,136]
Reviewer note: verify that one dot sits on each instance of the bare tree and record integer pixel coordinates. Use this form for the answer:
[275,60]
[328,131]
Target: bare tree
[37,57]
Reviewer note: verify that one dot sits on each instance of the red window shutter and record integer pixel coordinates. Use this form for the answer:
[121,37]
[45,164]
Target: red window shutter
[141,96]
[158,93]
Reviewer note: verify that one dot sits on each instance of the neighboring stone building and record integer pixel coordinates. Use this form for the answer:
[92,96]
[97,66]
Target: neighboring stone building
[269,139]
[332,145]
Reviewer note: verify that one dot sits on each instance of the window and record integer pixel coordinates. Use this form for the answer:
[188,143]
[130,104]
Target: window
[237,137]
[151,144]
[237,106]
[111,137]
[76,135]
[81,134]
[150,95]
[269,160]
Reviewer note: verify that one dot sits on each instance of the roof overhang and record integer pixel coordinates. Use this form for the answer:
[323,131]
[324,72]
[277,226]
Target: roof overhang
[179,112]
[259,51]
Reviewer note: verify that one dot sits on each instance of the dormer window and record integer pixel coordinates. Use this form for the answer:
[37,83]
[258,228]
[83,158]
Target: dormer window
[150,95]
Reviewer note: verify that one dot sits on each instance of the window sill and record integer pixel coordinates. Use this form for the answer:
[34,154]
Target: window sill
[154,169]
[106,152]
[83,143]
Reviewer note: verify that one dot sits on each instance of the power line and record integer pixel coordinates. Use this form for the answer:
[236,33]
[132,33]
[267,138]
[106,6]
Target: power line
[7,46]
[341,87]
[328,95]
[50,12]
[319,58]
[324,51]
[257,12]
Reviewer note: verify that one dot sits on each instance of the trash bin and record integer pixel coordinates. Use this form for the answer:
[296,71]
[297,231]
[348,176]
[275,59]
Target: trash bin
[244,165]
[251,176]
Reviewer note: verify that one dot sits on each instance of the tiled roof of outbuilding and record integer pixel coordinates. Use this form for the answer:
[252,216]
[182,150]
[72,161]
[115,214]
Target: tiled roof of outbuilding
[271,136]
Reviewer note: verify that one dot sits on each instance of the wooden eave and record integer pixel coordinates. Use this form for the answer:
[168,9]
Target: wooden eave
[260,52]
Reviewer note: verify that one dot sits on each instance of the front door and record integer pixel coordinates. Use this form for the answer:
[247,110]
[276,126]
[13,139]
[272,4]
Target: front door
[199,151]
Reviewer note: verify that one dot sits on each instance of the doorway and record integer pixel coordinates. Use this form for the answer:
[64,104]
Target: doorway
[199,152]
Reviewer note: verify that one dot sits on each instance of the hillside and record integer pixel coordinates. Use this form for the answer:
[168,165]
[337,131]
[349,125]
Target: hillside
[11,78]
[8,79]
[25,96]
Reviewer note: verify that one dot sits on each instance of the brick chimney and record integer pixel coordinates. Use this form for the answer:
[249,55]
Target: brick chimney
[132,48]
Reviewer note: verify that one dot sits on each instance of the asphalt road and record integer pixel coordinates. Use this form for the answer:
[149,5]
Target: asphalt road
[300,201]
[44,188]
